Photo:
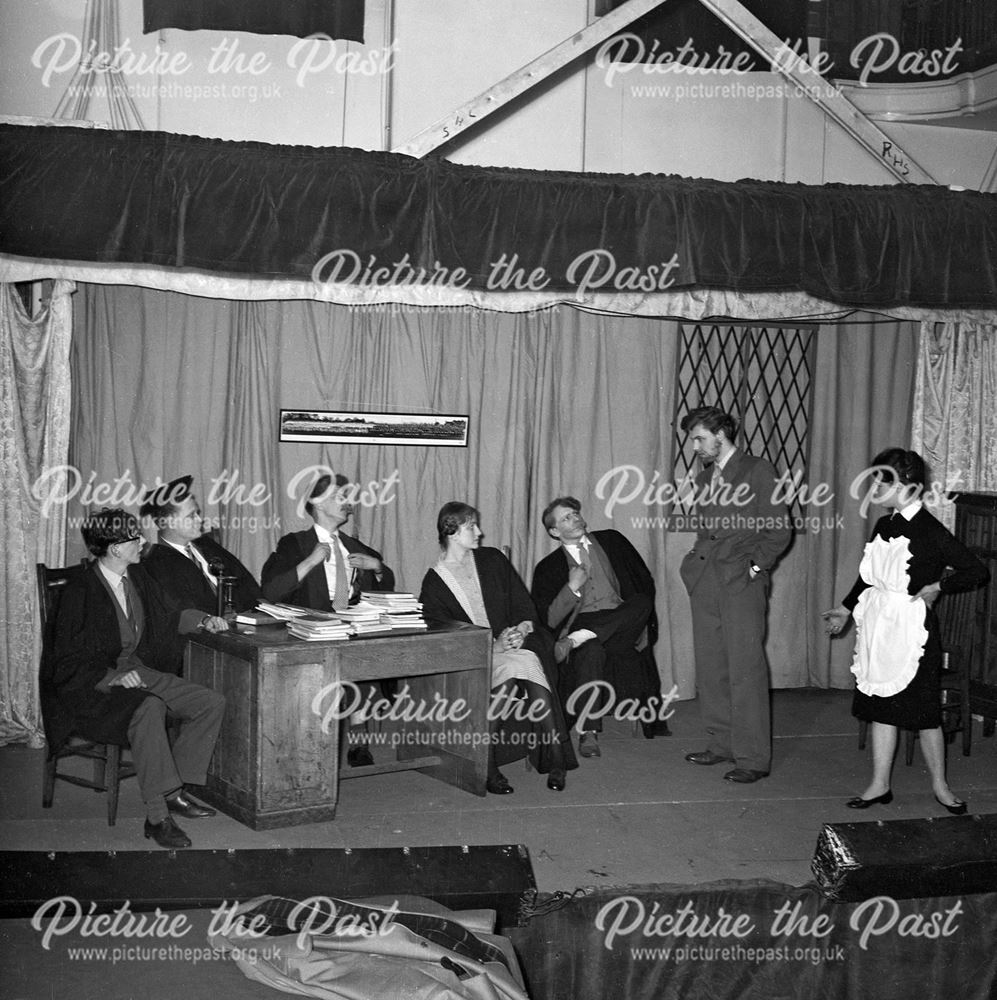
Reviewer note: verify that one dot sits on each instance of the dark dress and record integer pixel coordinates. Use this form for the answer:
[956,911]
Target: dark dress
[507,602]
[933,549]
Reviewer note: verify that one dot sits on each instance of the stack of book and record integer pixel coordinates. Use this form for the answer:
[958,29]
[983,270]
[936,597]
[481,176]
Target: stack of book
[398,610]
[319,629]
[289,612]
[364,618]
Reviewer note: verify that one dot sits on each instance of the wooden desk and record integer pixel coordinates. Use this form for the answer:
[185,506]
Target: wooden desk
[274,765]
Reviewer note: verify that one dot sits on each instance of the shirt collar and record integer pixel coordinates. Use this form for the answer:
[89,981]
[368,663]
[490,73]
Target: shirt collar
[911,509]
[722,463]
[114,579]
[325,535]
[180,548]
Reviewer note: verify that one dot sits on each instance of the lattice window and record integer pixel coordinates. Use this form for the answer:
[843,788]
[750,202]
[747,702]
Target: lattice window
[762,376]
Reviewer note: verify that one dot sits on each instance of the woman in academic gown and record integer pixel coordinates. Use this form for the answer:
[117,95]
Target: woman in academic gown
[898,654]
[479,585]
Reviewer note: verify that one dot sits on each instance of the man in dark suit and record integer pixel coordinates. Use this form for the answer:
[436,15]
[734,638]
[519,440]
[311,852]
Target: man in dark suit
[326,569]
[323,567]
[596,595]
[741,534]
[107,675]
[187,563]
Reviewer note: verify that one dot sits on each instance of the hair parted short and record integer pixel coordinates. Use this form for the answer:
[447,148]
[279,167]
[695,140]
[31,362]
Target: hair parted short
[548,515]
[713,419]
[164,500]
[108,527]
[453,515]
[907,467]
[321,488]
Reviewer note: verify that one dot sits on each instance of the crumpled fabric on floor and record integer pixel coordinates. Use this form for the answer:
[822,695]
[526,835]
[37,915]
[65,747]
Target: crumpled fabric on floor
[345,950]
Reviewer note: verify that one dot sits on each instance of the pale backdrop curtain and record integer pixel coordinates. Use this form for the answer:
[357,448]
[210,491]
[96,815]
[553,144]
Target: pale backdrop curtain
[557,400]
[863,389]
[35,396]
[955,416]
[174,385]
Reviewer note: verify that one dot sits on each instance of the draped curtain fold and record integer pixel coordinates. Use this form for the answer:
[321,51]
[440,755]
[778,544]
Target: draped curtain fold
[560,401]
[863,398]
[35,397]
[373,222]
[955,419]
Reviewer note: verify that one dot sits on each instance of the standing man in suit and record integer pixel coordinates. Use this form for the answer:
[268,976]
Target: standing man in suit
[326,569]
[108,675]
[596,594]
[741,534]
[185,562]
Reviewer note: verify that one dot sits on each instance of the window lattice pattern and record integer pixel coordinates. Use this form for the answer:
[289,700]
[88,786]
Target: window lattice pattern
[762,376]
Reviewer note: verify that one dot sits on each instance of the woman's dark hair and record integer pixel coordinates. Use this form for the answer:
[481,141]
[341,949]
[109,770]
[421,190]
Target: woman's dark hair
[452,517]
[108,527]
[907,467]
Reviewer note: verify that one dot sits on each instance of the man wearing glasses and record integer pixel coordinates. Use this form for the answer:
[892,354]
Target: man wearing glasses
[108,675]
[596,594]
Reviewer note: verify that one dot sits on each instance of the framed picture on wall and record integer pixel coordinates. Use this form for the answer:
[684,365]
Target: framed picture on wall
[446,430]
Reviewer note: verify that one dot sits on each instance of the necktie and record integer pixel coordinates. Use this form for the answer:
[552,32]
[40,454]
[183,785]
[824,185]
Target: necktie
[583,554]
[341,598]
[126,602]
[189,550]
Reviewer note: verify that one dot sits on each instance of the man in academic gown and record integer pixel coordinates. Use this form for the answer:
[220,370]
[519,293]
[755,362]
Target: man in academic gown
[596,595]
[324,568]
[185,562]
[107,675]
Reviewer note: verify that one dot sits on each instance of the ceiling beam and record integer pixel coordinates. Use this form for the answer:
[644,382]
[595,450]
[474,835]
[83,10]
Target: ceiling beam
[828,98]
[473,111]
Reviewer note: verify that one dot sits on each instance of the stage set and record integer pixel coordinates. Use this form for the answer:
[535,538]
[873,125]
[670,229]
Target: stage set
[194,289]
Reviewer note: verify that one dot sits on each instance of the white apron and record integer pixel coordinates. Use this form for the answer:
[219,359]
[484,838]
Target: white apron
[889,624]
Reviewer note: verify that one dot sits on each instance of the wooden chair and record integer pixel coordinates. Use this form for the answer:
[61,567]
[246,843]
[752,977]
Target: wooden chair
[956,715]
[109,765]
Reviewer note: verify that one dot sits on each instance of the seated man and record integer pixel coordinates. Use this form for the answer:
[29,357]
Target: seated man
[324,568]
[109,676]
[597,595]
[184,561]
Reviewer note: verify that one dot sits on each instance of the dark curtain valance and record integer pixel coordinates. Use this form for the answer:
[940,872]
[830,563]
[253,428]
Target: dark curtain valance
[252,208]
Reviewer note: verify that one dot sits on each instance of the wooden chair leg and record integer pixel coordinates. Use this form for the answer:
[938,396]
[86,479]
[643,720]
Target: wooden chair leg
[112,781]
[48,780]
[863,733]
[909,752]
[99,772]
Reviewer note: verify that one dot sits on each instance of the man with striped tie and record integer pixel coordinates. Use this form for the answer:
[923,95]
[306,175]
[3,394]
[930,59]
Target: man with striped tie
[185,561]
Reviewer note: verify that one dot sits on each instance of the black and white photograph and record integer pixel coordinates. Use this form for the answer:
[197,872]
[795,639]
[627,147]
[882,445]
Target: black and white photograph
[330,427]
[498,500]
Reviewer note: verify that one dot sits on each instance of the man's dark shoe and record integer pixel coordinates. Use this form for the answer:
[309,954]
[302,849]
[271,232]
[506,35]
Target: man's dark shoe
[498,784]
[359,756]
[745,775]
[556,780]
[588,745]
[562,649]
[180,805]
[707,757]
[167,834]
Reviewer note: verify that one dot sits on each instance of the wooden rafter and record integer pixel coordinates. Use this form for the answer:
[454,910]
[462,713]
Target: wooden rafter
[473,111]
[829,99]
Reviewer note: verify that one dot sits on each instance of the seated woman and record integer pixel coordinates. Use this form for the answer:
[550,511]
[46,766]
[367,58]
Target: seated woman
[480,586]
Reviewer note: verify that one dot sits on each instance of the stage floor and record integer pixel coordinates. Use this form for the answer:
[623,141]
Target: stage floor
[638,815]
